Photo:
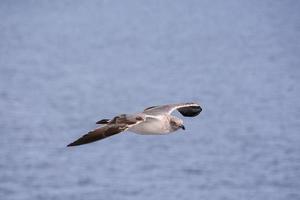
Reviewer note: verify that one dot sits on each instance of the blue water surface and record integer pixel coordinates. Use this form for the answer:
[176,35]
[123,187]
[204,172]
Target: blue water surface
[66,64]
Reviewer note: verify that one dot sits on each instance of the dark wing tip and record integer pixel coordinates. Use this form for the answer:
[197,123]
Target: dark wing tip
[71,144]
[77,142]
[91,136]
[190,111]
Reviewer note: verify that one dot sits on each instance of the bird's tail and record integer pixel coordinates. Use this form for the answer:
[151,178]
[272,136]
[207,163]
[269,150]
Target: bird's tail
[103,121]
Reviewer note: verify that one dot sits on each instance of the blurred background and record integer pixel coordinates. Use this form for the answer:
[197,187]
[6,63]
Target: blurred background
[66,64]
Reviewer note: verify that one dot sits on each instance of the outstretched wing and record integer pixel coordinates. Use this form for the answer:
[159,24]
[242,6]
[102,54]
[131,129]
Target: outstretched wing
[116,125]
[98,134]
[186,109]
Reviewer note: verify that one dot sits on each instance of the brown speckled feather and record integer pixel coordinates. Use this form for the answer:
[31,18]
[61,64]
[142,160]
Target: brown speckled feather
[116,125]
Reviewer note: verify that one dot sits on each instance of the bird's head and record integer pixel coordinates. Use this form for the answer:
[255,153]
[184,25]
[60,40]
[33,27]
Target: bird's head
[176,123]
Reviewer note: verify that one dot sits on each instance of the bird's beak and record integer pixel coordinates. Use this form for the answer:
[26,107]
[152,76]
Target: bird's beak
[182,126]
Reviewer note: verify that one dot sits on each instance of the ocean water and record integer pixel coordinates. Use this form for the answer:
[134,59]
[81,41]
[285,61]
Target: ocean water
[66,64]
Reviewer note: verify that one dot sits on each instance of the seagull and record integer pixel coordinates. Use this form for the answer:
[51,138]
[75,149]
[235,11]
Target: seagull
[154,120]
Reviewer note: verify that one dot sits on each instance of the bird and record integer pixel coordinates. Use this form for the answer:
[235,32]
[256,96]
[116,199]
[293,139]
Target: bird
[154,120]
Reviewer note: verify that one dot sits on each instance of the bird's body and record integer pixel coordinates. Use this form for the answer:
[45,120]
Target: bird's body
[155,120]
[153,126]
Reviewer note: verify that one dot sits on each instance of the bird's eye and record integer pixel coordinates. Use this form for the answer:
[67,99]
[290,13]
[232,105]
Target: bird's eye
[173,123]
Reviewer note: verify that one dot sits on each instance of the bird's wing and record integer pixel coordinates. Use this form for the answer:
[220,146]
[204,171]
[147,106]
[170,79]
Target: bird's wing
[116,125]
[186,109]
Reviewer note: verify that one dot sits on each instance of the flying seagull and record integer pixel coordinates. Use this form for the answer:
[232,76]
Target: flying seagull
[155,120]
